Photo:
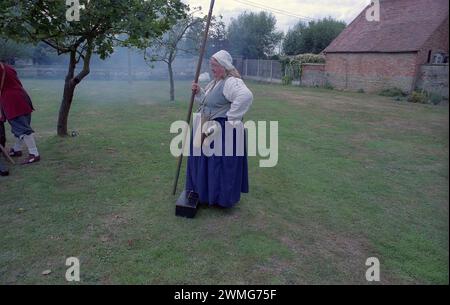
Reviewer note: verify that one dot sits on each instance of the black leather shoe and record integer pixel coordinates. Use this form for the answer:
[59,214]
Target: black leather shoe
[15,154]
[3,169]
[203,205]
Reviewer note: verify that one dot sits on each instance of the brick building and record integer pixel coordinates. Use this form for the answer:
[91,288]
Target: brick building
[376,55]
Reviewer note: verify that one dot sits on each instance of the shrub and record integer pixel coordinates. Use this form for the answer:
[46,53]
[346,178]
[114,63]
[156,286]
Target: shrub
[435,98]
[392,92]
[309,58]
[424,97]
[418,97]
[287,80]
[275,57]
[292,66]
[328,86]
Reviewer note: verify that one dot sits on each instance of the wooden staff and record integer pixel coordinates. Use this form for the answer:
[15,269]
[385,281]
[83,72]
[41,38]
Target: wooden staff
[191,105]
[3,150]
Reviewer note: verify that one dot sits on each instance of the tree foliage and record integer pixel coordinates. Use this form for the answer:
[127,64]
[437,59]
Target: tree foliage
[167,47]
[101,24]
[43,54]
[313,37]
[253,35]
[10,50]
[217,39]
[185,39]
[292,66]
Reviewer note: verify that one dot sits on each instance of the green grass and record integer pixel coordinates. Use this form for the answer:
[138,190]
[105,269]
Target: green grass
[358,176]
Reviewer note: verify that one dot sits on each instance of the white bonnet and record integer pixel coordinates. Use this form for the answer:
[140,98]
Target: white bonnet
[224,59]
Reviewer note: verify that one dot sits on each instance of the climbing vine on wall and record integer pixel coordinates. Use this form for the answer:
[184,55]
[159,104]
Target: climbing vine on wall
[291,66]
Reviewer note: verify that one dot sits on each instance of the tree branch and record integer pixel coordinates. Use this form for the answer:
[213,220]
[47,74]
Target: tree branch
[86,63]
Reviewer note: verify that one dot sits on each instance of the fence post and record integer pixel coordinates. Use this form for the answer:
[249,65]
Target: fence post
[301,74]
[271,71]
[257,73]
[246,67]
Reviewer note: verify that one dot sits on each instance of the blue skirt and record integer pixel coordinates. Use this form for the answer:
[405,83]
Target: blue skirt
[218,180]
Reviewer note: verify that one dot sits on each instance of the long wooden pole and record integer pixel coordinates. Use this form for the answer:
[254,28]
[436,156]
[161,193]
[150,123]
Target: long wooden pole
[191,105]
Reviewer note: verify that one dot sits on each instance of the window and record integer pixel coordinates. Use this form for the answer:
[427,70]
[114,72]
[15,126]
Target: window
[439,58]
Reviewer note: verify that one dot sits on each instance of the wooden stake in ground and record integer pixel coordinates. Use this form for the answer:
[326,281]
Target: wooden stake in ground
[191,105]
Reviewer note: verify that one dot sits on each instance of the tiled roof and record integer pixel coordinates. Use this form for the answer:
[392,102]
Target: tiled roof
[405,25]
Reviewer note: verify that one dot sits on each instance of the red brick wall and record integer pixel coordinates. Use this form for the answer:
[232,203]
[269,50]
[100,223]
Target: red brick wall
[434,78]
[313,75]
[371,72]
[438,42]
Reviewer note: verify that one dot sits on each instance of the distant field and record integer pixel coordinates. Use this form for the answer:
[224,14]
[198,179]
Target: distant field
[358,176]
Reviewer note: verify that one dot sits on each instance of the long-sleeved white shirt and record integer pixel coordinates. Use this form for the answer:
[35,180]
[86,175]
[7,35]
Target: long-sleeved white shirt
[237,93]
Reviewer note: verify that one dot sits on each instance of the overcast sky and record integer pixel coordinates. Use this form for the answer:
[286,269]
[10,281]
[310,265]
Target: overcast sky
[345,10]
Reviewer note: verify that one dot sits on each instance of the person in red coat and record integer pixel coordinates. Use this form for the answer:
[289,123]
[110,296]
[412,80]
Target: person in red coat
[16,107]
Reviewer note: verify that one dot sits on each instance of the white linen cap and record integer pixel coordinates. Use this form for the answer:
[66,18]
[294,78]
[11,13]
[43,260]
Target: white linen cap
[224,59]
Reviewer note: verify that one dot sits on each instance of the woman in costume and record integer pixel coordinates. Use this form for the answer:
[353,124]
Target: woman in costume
[220,180]
[16,107]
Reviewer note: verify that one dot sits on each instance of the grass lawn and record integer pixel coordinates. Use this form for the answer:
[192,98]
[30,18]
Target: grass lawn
[358,176]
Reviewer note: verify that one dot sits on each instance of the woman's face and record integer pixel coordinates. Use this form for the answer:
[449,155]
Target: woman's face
[217,70]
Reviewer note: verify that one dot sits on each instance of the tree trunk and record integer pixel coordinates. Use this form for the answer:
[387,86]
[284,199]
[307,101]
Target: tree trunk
[172,83]
[70,84]
[2,134]
[69,89]
[64,109]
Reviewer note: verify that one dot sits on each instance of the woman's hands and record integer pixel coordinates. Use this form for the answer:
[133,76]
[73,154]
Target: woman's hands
[196,88]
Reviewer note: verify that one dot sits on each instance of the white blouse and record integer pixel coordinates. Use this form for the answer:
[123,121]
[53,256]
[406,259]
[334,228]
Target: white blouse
[237,93]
